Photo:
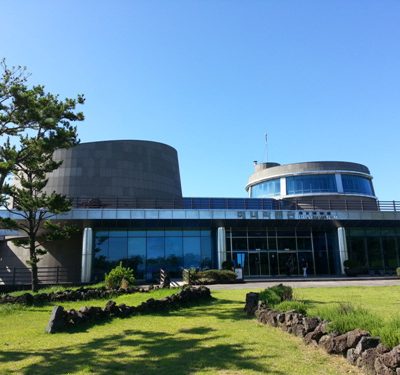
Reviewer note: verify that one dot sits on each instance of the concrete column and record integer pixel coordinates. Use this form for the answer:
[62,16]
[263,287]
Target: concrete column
[87,252]
[221,247]
[343,253]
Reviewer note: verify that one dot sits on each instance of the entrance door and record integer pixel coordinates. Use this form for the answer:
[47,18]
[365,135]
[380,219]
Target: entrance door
[254,263]
[264,264]
[288,263]
[273,263]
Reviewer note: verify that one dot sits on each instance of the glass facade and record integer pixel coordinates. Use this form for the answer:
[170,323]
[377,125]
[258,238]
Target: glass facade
[146,251]
[374,250]
[282,251]
[320,183]
[315,183]
[267,189]
[357,184]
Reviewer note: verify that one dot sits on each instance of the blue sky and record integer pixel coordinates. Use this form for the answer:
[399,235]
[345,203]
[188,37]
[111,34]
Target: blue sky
[210,78]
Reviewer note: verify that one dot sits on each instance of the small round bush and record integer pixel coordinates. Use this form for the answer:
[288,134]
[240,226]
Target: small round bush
[119,277]
[276,294]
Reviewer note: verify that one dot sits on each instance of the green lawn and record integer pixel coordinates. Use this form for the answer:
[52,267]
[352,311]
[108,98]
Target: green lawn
[211,339]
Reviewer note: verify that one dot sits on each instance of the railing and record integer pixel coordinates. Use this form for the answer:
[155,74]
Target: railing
[360,204]
[22,275]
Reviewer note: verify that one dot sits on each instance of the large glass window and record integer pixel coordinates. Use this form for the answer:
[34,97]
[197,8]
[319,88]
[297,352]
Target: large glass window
[266,189]
[146,251]
[357,184]
[320,183]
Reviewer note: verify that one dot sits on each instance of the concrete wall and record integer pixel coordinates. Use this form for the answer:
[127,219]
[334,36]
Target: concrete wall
[67,254]
[117,169]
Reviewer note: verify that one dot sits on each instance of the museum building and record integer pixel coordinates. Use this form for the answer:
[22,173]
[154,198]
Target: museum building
[127,201]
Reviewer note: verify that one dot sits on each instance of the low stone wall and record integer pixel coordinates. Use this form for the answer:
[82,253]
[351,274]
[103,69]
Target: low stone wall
[70,295]
[358,346]
[62,320]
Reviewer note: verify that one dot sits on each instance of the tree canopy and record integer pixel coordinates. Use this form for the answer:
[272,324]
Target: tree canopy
[33,124]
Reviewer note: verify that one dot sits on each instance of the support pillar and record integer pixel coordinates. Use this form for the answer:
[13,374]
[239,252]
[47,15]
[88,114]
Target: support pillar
[343,253]
[87,255]
[221,246]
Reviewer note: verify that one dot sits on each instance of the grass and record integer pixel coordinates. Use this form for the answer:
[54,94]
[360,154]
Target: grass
[375,309]
[215,338]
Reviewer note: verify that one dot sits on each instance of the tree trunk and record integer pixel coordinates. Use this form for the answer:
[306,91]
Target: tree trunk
[33,259]
[34,281]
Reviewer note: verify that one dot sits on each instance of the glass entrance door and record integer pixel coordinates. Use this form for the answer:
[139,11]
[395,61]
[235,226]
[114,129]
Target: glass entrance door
[254,264]
[288,263]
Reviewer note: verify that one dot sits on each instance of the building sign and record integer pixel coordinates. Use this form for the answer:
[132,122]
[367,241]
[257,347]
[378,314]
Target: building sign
[286,215]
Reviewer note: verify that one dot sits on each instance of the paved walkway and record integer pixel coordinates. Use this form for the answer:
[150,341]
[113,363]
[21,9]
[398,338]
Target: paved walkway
[308,283]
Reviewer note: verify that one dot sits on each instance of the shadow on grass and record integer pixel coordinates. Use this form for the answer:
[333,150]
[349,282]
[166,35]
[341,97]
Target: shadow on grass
[145,353]
[219,308]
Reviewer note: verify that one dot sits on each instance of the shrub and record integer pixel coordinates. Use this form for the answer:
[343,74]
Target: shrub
[227,265]
[214,276]
[119,277]
[398,271]
[276,294]
[346,317]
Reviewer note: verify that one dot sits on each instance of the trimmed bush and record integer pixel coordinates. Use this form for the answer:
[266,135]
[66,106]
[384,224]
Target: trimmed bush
[119,277]
[276,294]
[214,276]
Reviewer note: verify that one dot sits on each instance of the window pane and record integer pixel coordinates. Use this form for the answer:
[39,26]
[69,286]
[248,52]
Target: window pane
[206,254]
[155,255]
[136,233]
[173,233]
[118,233]
[118,248]
[357,252]
[137,256]
[286,244]
[266,189]
[311,184]
[239,244]
[191,233]
[374,253]
[304,243]
[174,255]
[192,252]
[356,184]
[101,244]
[155,233]
[390,252]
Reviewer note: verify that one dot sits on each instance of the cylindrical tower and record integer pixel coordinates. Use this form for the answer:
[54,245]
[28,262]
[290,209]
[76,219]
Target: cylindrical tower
[323,184]
[128,169]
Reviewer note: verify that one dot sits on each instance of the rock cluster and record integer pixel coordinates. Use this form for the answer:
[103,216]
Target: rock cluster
[62,320]
[80,294]
[358,346]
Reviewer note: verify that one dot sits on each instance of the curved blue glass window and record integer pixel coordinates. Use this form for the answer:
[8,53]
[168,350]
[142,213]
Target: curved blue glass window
[357,184]
[266,189]
[319,183]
